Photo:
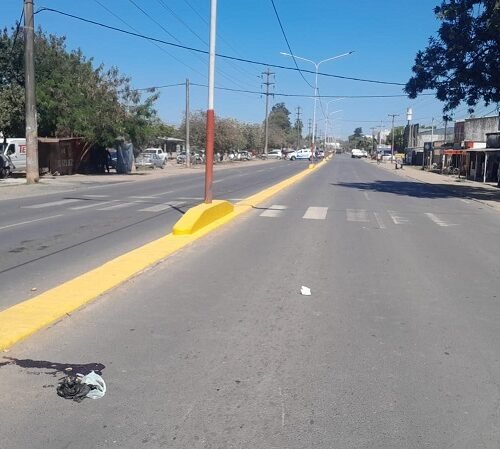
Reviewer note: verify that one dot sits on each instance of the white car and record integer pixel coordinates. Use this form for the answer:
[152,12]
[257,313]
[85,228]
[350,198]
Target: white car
[158,151]
[274,154]
[305,153]
[356,153]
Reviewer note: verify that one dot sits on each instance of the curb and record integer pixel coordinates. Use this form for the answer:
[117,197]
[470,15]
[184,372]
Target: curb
[27,317]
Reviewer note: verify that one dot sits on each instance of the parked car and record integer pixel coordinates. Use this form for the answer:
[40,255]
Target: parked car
[158,151]
[149,161]
[304,153]
[274,154]
[356,153]
[243,156]
[195,158]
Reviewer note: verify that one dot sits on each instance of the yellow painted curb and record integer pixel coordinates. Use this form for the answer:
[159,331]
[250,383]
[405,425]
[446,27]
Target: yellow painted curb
[31,315]
[199,216]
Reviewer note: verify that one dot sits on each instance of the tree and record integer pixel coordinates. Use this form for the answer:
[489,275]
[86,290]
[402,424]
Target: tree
[358,132]
[279,126]
[74,99]
[398,138]
[463,62]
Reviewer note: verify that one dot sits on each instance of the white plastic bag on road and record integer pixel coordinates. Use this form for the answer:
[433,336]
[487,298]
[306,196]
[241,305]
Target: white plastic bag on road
[306,291]
[97,382]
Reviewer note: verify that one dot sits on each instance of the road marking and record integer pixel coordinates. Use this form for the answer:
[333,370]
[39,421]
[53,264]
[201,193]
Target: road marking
[357,215]
[142,197]
[88,206]
[162,207]
[53,203]
[274,211]
[96,196]
[164,193]
[30,221]
[366,195]
[380,223]
[315,213]
[439,221]
[465,201]
[397,219]
[117,206]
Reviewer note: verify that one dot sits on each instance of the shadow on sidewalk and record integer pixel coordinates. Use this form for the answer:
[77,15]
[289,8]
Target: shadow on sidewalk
[419,190]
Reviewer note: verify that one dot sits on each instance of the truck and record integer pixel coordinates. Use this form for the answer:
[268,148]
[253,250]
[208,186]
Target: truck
[12,156]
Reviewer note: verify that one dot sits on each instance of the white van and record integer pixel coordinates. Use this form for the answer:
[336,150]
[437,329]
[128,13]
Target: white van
[356,153]
[15,149]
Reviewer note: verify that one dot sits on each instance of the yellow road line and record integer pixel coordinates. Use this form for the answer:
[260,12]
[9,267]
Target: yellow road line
[31,315]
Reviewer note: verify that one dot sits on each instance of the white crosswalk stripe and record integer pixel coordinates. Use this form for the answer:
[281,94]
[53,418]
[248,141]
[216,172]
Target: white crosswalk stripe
[274,211]
[396,218]
[357,215]
[439,221]
[315,213]
[97,204]
[52,203]
[162,207]
[380,222]
[117,206]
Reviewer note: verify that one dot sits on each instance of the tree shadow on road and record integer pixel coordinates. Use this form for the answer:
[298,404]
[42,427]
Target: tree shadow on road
[421,190]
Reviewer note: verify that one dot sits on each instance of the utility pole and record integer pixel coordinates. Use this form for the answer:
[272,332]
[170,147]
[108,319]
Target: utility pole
[188,151]
[431,152]
[267,83]
[373,140]
[298,127]
[392,132]
[32,172]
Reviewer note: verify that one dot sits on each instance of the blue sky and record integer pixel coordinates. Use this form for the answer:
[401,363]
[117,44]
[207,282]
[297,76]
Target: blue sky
[384,35]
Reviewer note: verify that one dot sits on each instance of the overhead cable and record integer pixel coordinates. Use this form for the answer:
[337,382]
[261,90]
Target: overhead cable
[197,50]
[288,45]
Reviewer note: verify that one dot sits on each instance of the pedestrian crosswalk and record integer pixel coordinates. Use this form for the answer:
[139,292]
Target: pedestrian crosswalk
[381,219]
[102,203]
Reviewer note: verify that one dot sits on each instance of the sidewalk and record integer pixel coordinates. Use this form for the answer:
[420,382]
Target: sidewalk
[487,194]
[16,187]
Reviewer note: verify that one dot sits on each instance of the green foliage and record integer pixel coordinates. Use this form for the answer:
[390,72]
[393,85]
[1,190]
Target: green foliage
[463,62]
[230,134]
[73,97]
[358,140]
[399,143]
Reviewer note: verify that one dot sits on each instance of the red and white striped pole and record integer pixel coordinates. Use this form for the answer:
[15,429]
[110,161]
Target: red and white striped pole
[209,150]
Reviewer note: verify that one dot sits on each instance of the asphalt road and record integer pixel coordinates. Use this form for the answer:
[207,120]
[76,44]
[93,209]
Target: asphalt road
[397,347]
[48,239]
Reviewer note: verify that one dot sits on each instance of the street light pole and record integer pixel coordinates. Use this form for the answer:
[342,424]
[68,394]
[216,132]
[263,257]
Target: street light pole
[209,152]
[316,65]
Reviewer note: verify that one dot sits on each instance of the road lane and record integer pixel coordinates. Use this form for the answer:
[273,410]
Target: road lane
[62,235]
[216,347]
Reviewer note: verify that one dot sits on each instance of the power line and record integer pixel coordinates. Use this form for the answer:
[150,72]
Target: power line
[277,94]
[153,43]
[154,20]
[162,3]
[197,50]
[288,45]
[221,72]
[203,41]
